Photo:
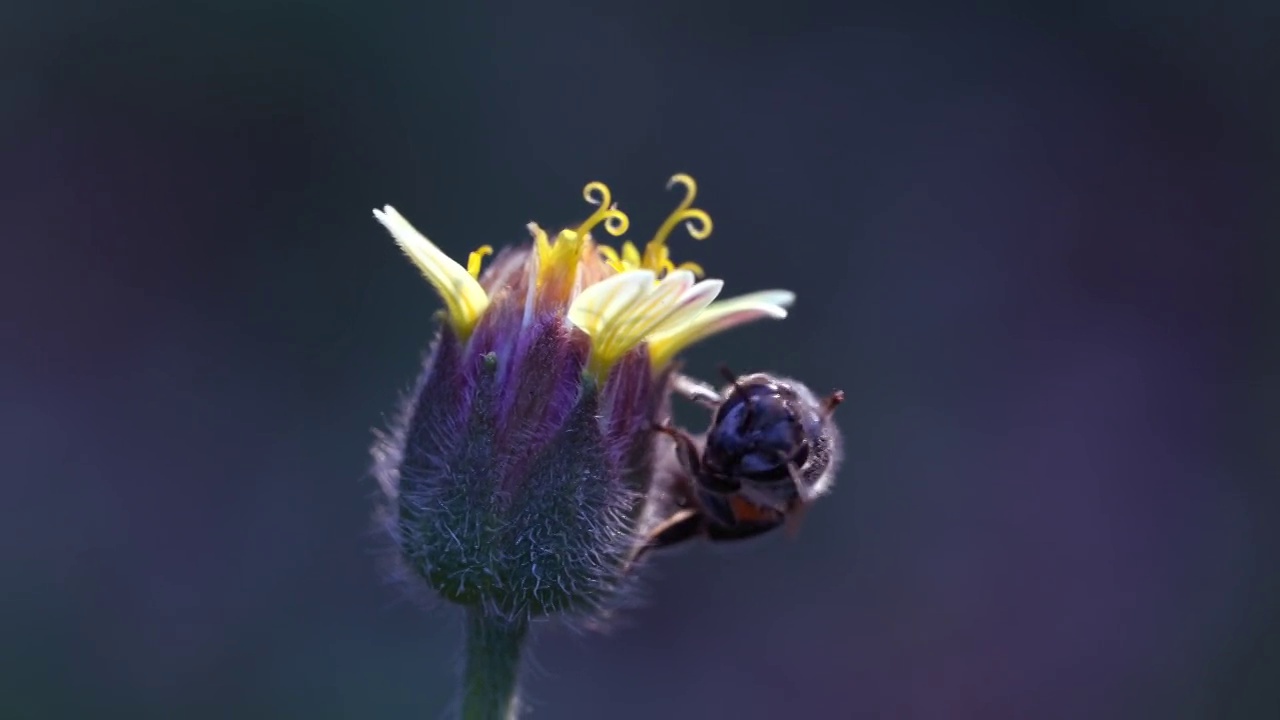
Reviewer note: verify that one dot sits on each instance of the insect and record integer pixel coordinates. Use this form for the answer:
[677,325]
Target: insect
[771,450]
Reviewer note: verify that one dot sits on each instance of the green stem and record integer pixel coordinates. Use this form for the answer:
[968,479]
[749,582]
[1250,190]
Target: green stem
[491,674]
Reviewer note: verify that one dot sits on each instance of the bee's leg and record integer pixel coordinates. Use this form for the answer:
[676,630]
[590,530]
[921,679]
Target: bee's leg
[802,492]
[696,391]
[716,508]
[795,517]
[683,525]
[800,503]
[686,448]
[737,517]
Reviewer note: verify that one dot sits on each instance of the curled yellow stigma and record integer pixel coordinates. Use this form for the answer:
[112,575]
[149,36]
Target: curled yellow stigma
[615,221]
[558,259]
[464,299]
[657,257]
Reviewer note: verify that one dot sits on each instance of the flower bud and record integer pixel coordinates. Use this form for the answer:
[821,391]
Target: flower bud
[516,475]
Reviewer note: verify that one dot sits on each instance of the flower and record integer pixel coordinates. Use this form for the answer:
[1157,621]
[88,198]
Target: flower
[517,471]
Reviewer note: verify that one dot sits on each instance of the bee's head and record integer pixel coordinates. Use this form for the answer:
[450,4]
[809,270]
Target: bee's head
[760,431]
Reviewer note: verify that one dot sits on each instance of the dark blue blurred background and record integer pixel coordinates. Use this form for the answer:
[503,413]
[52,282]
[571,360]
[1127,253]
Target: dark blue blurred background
[1036,252]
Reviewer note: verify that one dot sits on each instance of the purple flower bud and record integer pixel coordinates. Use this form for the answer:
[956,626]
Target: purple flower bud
[516,475]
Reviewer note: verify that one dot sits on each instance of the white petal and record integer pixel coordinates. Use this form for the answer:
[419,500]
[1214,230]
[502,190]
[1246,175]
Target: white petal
[598,305]
[690,305]
[717,318]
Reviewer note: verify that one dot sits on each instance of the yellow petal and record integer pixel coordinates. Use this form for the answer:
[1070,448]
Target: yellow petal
[717,318]
[463,296]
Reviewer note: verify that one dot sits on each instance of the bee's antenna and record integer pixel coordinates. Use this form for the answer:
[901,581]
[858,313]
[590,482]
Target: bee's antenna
[831,403]
[726,373]
[731,376]
[733,380]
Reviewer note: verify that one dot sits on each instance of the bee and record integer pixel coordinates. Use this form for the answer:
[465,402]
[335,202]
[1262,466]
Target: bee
[771,450]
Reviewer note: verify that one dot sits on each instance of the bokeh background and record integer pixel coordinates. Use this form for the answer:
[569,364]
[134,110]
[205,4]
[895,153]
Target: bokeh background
[1036,250]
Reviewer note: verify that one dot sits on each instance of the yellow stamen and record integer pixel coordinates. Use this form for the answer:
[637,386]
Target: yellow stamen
[692,267]
[473,262]
[630,254]
[541,244]
[558,259]
[611,257]
[631,260]
[695,220]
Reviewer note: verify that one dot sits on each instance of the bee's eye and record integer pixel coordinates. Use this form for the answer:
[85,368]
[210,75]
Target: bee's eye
[763,467]
[734,401]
